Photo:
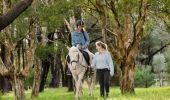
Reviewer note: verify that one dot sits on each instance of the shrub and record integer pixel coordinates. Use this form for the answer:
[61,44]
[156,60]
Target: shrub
[143,76]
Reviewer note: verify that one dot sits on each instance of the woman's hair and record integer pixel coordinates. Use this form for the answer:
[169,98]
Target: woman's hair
[101,44]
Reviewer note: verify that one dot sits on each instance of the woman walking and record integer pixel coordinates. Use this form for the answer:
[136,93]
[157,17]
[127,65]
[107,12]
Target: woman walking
[103,63]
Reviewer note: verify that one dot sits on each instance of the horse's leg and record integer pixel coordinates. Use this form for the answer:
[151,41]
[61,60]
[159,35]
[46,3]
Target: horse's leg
[79,88]
[88,83]
[92,84]
[76,85]
[79,83]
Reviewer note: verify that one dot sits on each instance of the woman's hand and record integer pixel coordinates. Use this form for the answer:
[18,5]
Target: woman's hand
[111,73]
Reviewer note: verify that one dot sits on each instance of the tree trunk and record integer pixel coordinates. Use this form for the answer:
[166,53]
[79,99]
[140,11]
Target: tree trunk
[45,70]
[18,88]
[5,83]
[37,78]
[54,66]
[68,79]
[160,79]
[127,79]
[58,72]
[58,65]
[5,55]
[62,73]
[70,83]
[23,55]
[65,74]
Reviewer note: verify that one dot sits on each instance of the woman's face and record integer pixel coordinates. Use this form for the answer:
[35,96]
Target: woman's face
[98,48]
[80,27]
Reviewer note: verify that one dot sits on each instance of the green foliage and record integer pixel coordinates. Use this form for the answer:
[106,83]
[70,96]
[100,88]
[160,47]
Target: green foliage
[160,9]
[21,24]
[29,80]
[143,76]
[52,16]
[159,63]
[49,77]
[43,52]
[157,37]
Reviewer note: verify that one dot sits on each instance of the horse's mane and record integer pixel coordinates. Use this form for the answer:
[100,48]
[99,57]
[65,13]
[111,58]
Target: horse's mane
[73,49]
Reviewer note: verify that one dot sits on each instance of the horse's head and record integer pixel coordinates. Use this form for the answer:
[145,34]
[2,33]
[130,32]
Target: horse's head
[74,56]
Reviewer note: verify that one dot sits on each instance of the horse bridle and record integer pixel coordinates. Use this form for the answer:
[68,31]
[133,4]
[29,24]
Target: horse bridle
[76,61]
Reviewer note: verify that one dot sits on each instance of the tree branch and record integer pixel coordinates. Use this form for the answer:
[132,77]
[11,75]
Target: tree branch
[157,51]
[113,9]
[141,19]
[3,70]
[10,16]
[116,54]
[112,32]
[31,49]
[68,25]
[138,27]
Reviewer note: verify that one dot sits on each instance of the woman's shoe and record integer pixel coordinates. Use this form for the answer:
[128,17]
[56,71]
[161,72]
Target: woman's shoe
[107,94]
[102,95]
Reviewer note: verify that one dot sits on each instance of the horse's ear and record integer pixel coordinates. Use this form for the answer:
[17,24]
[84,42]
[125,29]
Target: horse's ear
[68,48]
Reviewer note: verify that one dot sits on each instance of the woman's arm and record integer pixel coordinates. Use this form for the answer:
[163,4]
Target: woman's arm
[73,39]
[93,65]
[87,38]
[111,66]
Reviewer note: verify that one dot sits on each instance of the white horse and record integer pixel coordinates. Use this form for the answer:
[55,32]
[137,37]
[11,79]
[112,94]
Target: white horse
[78,67]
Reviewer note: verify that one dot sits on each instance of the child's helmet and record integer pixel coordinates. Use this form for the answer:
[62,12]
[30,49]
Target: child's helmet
[80,23]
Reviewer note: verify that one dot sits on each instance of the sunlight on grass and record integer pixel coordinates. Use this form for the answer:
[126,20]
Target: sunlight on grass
[62,94]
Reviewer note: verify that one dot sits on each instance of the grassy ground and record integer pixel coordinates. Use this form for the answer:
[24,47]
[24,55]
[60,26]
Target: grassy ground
[62,94]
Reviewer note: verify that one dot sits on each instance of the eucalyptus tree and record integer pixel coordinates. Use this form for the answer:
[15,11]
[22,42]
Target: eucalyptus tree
[13,40]
[127,29]
[127,23]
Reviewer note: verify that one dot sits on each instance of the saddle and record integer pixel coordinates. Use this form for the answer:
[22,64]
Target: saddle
[85,55]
